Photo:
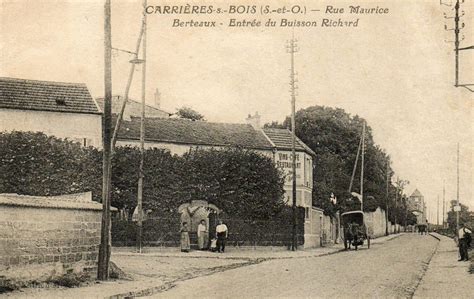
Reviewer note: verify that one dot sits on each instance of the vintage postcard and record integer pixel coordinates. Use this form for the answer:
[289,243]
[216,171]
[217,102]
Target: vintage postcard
[236,149]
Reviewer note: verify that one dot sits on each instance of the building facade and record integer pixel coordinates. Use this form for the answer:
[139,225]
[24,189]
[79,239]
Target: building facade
[134,108]
[64,110]
[181,135]
[417,206]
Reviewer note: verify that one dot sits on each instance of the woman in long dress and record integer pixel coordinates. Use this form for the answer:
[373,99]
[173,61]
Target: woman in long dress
[202,235]
[185,244]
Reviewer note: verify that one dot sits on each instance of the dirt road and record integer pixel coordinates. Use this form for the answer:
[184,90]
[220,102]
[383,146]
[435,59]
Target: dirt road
[393,269]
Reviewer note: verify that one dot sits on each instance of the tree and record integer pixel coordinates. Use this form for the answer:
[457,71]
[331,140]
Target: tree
[189,113]
[242,182]
[464,215]
[334,136]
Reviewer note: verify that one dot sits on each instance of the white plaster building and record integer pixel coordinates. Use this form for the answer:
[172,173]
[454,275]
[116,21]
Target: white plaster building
[180,135]
[134,108]
[417,206]
[64,110]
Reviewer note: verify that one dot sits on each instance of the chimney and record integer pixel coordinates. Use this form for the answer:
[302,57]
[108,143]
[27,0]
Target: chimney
[157,99]
[254,121]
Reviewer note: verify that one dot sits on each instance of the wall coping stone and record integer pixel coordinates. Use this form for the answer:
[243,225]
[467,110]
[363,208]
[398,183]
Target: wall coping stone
[77,201]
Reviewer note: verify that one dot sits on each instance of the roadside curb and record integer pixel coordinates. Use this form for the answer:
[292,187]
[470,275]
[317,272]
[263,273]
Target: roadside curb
[250,261]
[392,237]
[425,267]
[168,285]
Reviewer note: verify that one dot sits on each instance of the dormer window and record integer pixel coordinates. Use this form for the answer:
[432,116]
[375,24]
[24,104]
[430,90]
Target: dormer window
[61,101]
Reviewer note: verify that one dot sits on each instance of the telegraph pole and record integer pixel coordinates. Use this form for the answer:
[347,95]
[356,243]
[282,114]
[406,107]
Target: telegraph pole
[396,205]
[142,136]
[386,196]
[104,249]
[458,26]
[437,213]
[444,205]
[456,43]
[457,193]
[362,169]
[292,48]
[133,62]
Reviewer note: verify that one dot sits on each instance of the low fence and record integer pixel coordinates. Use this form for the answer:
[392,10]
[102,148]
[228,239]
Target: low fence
[165,231]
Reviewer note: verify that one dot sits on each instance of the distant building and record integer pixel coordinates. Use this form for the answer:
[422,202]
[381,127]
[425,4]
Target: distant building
[180,135]
[64,110]
[134,108]
[416,205]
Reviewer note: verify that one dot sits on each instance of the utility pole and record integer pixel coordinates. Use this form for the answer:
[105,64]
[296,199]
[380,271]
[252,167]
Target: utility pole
[457,193]
[396,204]
[456,43]
[362,169]
[104,249]
[444,204]
[292,48]
[386,195]
[437,213]
[458,26]
[133,62]
[142,136]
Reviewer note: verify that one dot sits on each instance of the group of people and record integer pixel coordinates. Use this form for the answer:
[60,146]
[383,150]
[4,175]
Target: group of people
[215,244]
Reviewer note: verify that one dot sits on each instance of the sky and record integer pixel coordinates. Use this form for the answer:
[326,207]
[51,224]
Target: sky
[395,70]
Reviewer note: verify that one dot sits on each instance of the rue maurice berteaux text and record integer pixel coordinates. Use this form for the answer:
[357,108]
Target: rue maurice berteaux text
[282,22]
[264,16]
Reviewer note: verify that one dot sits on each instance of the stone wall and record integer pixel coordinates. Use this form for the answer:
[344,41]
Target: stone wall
[312,228]
[376,223]
[45,237]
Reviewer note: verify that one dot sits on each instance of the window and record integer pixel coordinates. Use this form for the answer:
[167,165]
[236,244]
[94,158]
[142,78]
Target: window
[306,213]
[61,101]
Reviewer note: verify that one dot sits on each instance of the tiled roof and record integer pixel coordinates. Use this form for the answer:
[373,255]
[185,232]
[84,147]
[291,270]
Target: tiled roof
[416,193]
[282,140]
[46,96]
[195,132]
[133,108]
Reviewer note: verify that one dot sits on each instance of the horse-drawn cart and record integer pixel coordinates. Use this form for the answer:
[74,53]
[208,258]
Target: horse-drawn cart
[355,230]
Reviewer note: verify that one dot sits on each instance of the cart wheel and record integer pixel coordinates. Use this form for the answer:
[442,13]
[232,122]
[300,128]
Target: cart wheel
[368,242]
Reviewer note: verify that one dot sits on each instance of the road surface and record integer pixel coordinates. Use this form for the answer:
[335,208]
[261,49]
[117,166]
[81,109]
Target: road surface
[392,269]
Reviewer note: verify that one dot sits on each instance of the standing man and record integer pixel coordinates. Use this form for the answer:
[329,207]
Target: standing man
[202,235]
[464,237]
[221,235]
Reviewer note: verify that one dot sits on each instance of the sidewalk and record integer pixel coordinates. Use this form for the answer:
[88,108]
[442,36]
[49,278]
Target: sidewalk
[265,253]
[157,268]
[445,276]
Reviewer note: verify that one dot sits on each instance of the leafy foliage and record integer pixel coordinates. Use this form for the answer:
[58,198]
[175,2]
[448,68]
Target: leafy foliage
[189,113]
[35,164]
[464,216]
[242,182]
[334,136]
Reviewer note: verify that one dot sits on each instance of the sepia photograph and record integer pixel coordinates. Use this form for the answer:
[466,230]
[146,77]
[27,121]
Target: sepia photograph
[236,149]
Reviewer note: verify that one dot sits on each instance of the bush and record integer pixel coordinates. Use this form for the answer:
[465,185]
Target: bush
[35,164]
[242,182]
